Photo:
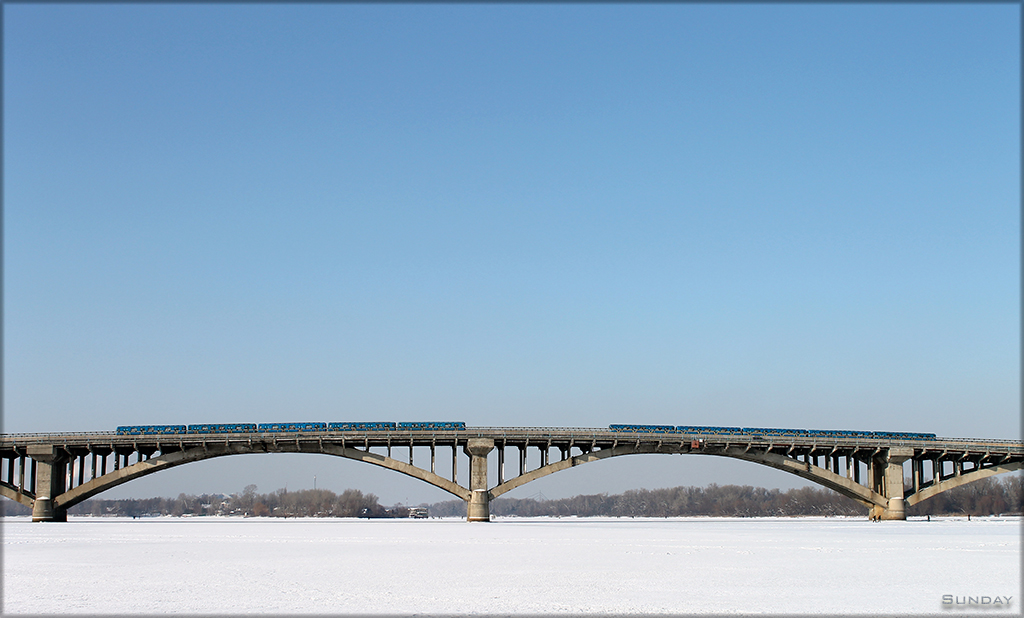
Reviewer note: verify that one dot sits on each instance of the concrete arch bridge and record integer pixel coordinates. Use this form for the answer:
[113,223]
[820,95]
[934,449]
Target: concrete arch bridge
[52,472]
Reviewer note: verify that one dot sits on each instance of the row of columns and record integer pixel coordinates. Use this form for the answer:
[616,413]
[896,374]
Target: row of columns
[885,474]
[46,471]
[543,449]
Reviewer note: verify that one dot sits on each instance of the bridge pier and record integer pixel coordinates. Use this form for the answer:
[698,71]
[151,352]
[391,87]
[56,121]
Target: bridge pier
[479,506]
[893,485]
[50,473]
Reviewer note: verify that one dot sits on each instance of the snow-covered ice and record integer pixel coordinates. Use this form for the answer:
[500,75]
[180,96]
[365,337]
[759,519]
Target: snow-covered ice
[510,566]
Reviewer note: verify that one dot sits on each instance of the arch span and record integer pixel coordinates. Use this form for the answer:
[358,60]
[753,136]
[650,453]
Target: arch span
[570,462]
[21,497]
[816,474]
[956,481]
[177,458]
[811,472]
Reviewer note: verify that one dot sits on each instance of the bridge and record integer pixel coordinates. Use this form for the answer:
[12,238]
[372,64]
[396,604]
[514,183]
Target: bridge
[51,472]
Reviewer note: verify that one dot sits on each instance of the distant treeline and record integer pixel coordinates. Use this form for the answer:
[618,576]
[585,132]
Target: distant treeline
[281,503]
[989,496]
[985,497]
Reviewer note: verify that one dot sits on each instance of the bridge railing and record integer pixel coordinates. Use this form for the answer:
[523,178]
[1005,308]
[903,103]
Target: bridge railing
[80,434]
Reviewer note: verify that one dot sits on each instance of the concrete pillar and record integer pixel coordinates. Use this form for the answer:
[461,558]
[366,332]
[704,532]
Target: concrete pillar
[455,463]
[501,465]
[876,474]
[50,468]
[893,479]
[479,507]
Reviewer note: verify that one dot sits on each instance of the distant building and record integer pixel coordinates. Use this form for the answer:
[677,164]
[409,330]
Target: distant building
[419,512]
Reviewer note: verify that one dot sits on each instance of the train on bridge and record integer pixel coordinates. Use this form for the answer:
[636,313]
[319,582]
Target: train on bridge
[138,430]
[767,431]
[134,430]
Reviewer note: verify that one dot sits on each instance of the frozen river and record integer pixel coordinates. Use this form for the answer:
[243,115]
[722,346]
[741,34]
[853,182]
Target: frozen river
[510,566]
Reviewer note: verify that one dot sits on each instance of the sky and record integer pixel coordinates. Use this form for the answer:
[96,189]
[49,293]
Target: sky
[511,215]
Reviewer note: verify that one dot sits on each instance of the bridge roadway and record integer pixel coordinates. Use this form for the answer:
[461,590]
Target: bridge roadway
[52,472]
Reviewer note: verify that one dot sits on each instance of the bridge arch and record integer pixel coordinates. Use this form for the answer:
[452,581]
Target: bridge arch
[963,479]
[22,497]
[811,472]
[177,458]
[869,471]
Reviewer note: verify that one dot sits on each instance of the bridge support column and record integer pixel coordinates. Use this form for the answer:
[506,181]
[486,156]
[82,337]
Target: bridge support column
[50,477]
[479,507]
[893,484]
[501,465]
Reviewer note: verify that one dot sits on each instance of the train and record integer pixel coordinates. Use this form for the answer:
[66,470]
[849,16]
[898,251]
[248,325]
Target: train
[772,432]
[149,430]
[222,428]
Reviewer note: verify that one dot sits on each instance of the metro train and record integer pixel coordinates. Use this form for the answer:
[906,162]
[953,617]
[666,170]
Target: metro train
[766,431]
[134,430]
[138,430]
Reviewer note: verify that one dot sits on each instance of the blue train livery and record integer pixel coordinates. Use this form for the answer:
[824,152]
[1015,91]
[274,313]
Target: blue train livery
[643,428]
[150,430]
[433,426]
[223,428]
[290,427]
[138,430]
[772,431]
[371,426]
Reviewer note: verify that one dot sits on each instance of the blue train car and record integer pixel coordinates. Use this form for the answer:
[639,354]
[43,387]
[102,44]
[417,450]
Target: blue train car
[433,426]
[903,435]
[149,430]
[223,428]
[290,427]
[644,428]
[812,433]
[370,426]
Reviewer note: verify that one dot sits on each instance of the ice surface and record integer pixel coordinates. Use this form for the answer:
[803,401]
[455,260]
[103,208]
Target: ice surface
[509,566]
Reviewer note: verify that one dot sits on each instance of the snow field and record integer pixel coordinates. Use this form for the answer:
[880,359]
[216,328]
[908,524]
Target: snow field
[510,566]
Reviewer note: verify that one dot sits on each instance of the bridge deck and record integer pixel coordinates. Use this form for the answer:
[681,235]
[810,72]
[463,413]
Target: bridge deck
[555,437]
[53,471]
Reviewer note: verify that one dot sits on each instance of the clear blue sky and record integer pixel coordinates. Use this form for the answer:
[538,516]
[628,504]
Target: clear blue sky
[774,215]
